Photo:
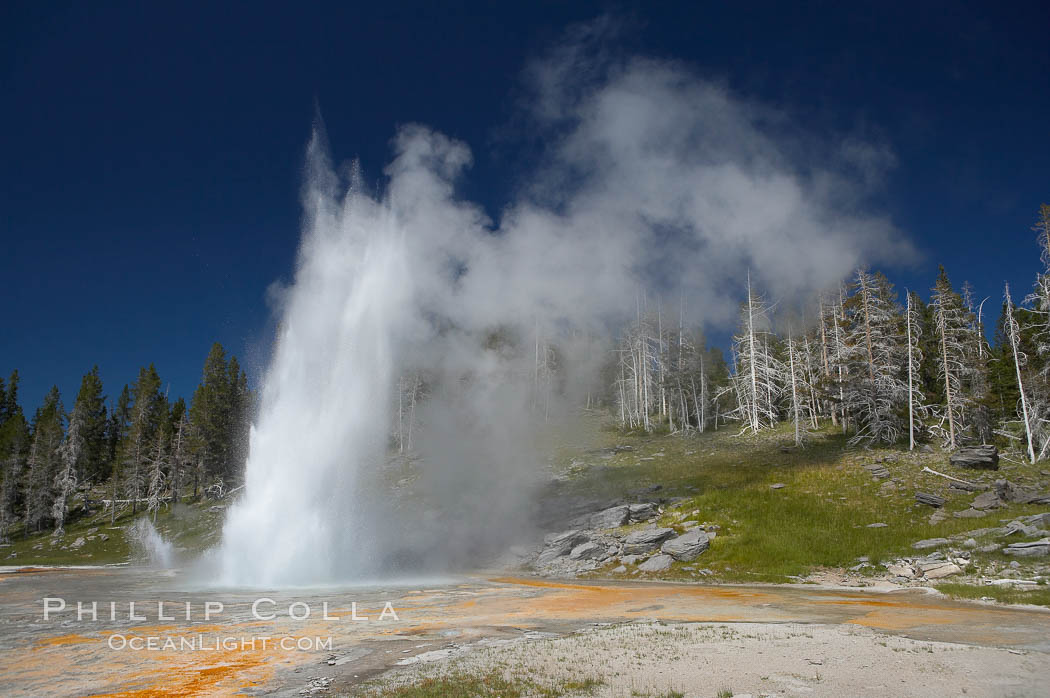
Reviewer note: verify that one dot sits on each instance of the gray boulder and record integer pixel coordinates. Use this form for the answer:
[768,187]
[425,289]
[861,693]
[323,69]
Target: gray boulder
[611,517]
[643,512]
[641,542]
[981,457]
[987,500]
[688,546]
[586,551]
[657,563]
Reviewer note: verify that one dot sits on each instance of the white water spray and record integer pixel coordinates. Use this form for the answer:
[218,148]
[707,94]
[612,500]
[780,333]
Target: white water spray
[147,540]
[324,402]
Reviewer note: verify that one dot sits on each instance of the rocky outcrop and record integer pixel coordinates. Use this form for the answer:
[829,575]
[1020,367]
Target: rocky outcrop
[984,457]
[558,544]
[688,546]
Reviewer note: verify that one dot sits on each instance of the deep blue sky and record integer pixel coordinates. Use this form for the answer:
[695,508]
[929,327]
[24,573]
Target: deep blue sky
[151,152]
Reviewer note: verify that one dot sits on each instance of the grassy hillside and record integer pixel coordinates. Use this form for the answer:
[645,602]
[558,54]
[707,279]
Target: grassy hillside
[190,527]
[817,517]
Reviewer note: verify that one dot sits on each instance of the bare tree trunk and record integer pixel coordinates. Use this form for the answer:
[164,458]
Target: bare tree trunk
[1012,325]
[751,341]
[412,413]
[838,340]
[824,354]
[867,330]
[794,392]
[947,376]
[911,399]
[812,384]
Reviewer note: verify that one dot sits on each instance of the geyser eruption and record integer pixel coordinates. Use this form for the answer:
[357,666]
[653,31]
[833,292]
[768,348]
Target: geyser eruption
[649,179]
[322,418]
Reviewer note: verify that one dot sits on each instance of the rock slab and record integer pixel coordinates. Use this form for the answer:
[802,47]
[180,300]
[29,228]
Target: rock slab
[559,544]
[688,546]
[586,551]
[984,457]
[929,499]
[641,542]
[657,563]
[1039,548]
[611,517]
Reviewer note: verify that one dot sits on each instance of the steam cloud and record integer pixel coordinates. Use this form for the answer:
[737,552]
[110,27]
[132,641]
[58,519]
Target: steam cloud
[650,177]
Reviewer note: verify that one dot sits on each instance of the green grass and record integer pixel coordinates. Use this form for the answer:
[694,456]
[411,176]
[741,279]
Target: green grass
[490,685]
[1039,596]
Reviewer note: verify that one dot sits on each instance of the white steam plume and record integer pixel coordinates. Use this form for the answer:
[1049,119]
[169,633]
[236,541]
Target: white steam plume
[651,178]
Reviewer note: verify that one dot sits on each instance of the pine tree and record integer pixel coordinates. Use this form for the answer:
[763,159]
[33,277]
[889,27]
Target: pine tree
[9,398]
[116,436]
[1038,328]
[876,389]
[181,456]
[1003,394]
[65,485]
[146,415]
[156,472]
[211,412]
[92,460]
[14,446]
[43,462]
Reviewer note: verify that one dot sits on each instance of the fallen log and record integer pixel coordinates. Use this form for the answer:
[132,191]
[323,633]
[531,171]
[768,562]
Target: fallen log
[969,485]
